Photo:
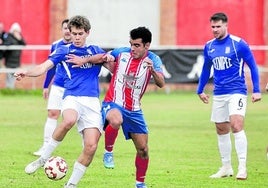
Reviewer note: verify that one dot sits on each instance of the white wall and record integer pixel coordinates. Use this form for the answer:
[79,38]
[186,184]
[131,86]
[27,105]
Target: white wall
[111,20]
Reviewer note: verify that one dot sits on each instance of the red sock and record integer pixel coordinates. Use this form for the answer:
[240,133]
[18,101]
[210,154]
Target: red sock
[110,137]
[141,168]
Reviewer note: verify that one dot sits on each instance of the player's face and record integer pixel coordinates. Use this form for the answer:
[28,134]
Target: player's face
[219,29]
[66,33]
[138,48]
[79,36]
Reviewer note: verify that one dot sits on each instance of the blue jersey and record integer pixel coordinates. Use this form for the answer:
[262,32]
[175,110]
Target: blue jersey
[56,72]
[228,57]
[78,81]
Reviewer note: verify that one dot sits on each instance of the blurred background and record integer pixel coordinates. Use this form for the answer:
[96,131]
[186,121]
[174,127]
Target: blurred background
[180,29]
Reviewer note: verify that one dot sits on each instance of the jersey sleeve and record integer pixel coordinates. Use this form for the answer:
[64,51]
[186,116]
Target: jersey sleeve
[115,52]
[49,76]
[58,54]
[157,62]
[249,59]
[204,77]
[96,49]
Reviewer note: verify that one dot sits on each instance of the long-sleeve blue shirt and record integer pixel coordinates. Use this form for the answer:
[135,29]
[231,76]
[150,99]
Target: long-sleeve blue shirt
[227,57]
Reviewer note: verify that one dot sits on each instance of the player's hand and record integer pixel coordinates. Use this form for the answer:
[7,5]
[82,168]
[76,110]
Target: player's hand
[148,63]
[256,97]
[45,93]
[108,58]
[204,97]
[77,60]
[20,74]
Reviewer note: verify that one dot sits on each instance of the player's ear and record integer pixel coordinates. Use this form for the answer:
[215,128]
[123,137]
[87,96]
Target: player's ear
[147,45]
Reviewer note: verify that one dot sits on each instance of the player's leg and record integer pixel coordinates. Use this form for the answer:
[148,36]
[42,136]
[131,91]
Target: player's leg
[134,127]
[69,118]
[237,108]
[114,120]
[220,115]
[91,138]
[54,110]
[142,158]
[90,127]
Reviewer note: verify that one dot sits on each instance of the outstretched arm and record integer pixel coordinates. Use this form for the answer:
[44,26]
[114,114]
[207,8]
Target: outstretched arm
[78,61]
[105,58]
[34,71]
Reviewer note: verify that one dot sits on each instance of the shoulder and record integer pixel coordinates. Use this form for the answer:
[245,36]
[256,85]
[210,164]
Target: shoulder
[115,52]
[95,49]
[57,42]
[239,42]
[63,49]
[210,41]
[121,49]
[153,55]
[235,38]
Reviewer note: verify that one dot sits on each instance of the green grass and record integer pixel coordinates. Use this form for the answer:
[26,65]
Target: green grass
[182,142]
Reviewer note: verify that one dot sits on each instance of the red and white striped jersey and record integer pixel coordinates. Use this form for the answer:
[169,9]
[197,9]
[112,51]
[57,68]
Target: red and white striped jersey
[129,81]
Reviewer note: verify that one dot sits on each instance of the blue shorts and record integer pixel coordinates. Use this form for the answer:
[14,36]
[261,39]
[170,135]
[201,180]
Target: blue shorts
[133,121]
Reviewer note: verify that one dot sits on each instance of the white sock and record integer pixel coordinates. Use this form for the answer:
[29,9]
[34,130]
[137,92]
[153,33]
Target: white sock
[105,151]
[241,145]
[225,148]
[78,172]
[49,128]
[49,148]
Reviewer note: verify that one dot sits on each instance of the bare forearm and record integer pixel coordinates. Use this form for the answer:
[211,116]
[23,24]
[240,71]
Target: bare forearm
[158,79]
[35,71]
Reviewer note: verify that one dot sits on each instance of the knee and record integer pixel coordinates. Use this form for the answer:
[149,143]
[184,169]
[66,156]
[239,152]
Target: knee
[114,118]
[115,122]
[90,149]
[67,124]
[53,114]
[143,152]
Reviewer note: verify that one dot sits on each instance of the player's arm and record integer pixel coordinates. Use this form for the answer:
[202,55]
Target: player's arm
[204,78]
[49,76]
[105,58]
[249,59]
[157,76]
[78,61]
[34,71]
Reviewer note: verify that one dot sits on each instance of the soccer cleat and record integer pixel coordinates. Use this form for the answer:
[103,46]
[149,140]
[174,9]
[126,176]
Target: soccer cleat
[70,185]
[39,152]
[35,165]
[140,185]
[242,174]
[108,160]
[223,172]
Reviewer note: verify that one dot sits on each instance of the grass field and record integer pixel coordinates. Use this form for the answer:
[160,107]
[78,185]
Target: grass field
[182,141]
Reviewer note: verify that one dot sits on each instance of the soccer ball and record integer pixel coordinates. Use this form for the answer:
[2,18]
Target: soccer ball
[55,168]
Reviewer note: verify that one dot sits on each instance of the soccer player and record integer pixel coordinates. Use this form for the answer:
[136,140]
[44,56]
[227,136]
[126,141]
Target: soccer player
[80,100]
[227,54]
[133,68]
[55,94]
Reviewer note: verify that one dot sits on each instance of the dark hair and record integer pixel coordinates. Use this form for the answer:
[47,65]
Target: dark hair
[219,16]
[79,22]
[64,21]
[143,33]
